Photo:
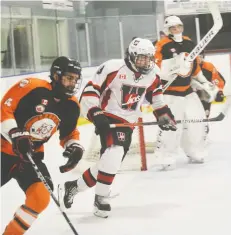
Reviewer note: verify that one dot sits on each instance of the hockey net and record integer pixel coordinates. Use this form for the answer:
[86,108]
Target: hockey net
[140,154]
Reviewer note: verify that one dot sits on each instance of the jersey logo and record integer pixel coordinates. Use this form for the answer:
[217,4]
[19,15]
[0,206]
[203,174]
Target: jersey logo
[122,76]
[42,127]
[40,108]
[44,102]
[121,136]
[131,95]
[8,102]
[24,83]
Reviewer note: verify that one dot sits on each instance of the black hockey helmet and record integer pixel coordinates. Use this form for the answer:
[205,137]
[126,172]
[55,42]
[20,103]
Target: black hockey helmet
[64,67]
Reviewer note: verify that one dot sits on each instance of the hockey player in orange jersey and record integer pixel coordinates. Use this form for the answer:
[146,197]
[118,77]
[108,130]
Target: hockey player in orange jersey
[32,111]
[214,76]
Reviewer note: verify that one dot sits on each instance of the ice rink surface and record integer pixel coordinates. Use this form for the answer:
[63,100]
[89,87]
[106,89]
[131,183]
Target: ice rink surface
[191,200]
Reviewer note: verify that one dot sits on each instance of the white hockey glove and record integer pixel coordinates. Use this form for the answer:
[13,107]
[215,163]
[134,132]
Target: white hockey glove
[181,67]
[208,90]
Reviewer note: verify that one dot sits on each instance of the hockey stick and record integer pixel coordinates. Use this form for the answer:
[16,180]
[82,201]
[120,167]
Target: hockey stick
[218,23]
[41,177]
[218,118]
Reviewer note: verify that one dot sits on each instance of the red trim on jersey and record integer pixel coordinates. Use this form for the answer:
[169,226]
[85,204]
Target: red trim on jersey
[105,100]
[110,77]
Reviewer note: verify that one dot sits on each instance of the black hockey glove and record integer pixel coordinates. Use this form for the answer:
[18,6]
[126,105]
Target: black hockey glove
[166,119]
[100,121]
[21,142]
[220,96]
[74,153]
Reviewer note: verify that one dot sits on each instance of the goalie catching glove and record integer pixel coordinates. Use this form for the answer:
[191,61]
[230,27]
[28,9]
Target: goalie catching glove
[165,118]
[74,153]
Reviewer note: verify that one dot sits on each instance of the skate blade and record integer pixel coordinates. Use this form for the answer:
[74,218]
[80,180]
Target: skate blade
[192,161]
[61,196]
[167,167]
[100,213]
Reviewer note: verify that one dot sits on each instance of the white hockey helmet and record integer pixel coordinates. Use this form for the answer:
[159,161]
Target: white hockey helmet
[173,21]
[140,55]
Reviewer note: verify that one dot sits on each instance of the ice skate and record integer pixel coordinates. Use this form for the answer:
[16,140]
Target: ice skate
[102,207]
[67,192]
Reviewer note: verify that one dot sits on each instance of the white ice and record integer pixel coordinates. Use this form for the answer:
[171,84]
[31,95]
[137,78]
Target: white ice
[191,200]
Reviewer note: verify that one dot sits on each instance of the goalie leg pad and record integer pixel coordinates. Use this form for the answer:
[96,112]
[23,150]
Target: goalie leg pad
[193,139]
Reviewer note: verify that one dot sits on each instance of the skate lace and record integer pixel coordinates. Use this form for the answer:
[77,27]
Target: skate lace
[71,193]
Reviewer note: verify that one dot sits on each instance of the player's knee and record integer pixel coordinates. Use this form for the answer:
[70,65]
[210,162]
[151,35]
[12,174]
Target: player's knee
[37,197]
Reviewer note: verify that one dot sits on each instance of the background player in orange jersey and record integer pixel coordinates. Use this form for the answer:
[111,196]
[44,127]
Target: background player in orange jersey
[214,76]
[32,111]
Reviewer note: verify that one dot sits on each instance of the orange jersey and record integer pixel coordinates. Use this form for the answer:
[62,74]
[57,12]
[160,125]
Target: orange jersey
[30,104]
[212,75]
[167,48]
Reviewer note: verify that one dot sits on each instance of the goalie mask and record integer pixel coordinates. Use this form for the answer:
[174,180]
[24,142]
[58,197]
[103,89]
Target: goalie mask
[174,27]
[140,55]
[66,77]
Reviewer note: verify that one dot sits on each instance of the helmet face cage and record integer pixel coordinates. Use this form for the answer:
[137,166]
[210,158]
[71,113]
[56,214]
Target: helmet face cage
[62,66]
[71,90]
[140,55]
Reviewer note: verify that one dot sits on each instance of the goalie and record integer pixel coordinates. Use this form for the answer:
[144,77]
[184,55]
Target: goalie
[115,95]
[185,104]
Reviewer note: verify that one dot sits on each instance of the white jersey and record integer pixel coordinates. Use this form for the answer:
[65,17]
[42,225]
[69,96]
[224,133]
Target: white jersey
[115,89]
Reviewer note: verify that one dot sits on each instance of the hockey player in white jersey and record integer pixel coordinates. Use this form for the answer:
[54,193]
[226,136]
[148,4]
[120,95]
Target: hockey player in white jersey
[115,95]
[184,103]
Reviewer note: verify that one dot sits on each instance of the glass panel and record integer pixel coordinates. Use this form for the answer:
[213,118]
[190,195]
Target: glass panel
[47,42]
[138,26]
[104,39]
[23,46]
[81,45]
[6,52]
[21,11]
[224,35]
[63,37]
[189,27]
[5,11]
